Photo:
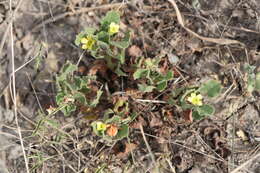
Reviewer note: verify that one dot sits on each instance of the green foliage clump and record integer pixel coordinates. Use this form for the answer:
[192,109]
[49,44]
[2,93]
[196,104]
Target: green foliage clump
[253,79]
[191,98]
[148,69]
[106,42]
[109,44]
[72,90]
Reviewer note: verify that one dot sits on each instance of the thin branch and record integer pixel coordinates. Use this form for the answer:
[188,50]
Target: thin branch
[14,93]
[245,163]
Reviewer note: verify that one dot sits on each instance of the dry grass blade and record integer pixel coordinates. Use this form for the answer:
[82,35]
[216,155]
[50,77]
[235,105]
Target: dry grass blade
[221,41]
[14,91]
[245,163]
[9,25]
[148,146]
[82,10]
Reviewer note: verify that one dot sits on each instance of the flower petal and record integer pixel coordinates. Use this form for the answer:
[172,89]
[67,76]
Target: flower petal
[84,40]
[199,96]
[84,46]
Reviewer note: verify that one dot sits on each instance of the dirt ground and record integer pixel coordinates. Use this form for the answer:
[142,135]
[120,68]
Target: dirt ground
[222,36]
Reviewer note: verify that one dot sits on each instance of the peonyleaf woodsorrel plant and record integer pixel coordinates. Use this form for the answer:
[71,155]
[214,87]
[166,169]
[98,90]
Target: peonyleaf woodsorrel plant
[106,42]
[148,69]
[73,90]
[192,98]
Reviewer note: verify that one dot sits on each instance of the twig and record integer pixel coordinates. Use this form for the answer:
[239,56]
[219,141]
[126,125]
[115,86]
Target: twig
[245,163]
[150,101]
[63,15]
[14,93]
[34,91]
[9,25]
[147,145]
[221,41]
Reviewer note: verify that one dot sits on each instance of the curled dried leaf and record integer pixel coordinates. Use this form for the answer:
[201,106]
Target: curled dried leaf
[112,130]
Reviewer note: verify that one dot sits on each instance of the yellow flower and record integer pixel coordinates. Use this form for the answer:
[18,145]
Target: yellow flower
[101,126]
[113,28]
[87,42]
[195,99]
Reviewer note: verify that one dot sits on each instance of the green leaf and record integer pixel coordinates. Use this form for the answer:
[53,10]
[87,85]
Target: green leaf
[205,110]
[122,132]
[69,85]
[249,68]
[257,82]
[212,88]
[87,31]
[119,72]
[139,73]
[123,44]
[161,86]
[111,16]
[66,70]
[168,76]
[39,57]
[196,115]
[177,91]
[185,105]
[145,88]
[115,119]
[251,82]
[60,98]
[80,97]
[96,100]
[52,123]
[68,109]
[121,56]
[103,37]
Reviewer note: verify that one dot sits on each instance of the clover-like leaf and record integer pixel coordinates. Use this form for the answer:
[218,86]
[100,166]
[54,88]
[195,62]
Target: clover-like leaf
[145,88]
[119,72]
[103,36]
[96,100]
[196,115]
[123,44]
[212,88]
[111,16]
[60,97]
[251,82]
[66,69]
[139,73]
[169,76]
[114,120]
[122,132]
[80,97]
[205,110]
[161,86]
[67,110]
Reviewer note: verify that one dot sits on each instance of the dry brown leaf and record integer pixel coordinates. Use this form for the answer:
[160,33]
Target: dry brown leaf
[112,130]
[221,41]
[155,121]
[187,115]
[140,122]
[89,113]
[129,147]
[135,51]
[82,69]
[99,66]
